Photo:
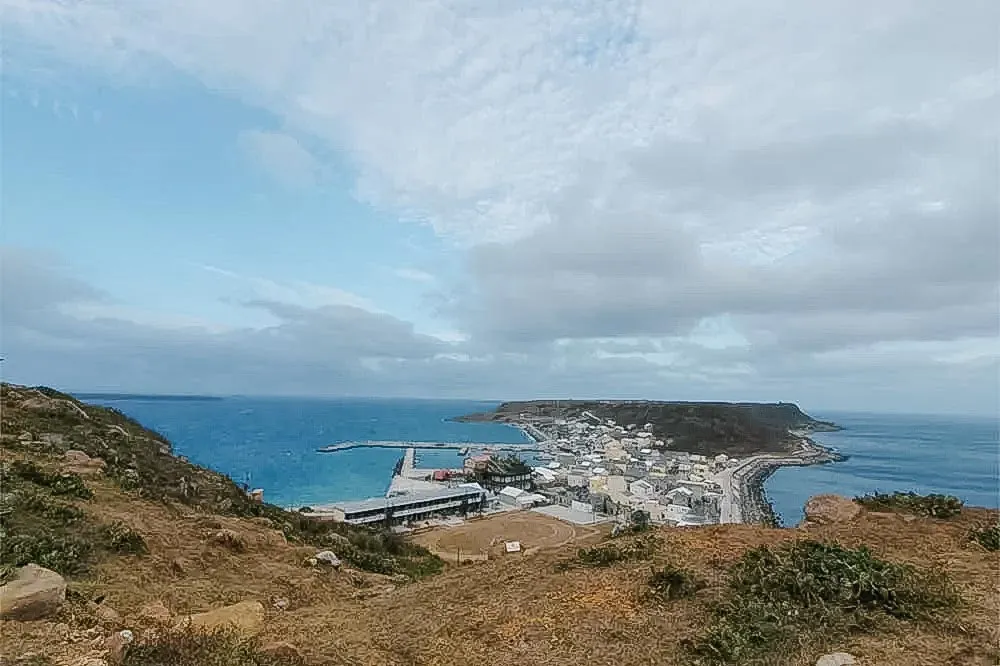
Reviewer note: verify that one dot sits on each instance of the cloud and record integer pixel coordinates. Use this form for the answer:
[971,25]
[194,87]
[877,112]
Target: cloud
[748,194]
[414,275]
[295,292]
[281,156]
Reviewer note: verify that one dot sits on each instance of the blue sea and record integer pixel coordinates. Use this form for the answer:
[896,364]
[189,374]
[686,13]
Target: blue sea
[271,444]
[953,455]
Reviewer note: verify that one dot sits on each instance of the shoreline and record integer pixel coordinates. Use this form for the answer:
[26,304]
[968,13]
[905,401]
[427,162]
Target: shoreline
[754,506]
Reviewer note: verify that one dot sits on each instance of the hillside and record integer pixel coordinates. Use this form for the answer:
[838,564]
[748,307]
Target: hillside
[147,540]
[708,428]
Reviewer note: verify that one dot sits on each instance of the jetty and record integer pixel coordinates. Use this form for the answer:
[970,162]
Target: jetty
[437,446]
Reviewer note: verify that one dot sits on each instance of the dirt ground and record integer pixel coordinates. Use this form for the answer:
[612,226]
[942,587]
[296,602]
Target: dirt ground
[486,535]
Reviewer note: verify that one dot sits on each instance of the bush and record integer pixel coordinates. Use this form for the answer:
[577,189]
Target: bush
[42,505]
[987,536]
[935,506]
[672,582]
[608,554]
[67,485]
[808,592]
[220,648]
[124,540]
[63,554]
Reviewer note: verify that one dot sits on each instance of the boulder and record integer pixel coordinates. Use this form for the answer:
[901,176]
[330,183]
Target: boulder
[334,539]
[230,540]
[117,645]
[246,617]
[836,659]
[327,557]
[79,462]
[25,437]
[155,613]
[282,652]
[34,593]
[827,509]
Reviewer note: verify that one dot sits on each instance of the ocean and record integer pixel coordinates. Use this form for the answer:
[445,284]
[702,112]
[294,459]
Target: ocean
[953,455]
[271,444]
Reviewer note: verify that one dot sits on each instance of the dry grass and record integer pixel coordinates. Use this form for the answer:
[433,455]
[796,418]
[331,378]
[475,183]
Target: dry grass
[521,610]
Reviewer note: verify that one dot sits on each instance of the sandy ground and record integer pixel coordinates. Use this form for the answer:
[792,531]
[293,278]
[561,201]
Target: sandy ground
[483,535]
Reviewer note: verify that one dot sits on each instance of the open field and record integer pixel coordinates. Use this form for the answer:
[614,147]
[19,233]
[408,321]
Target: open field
[486,535]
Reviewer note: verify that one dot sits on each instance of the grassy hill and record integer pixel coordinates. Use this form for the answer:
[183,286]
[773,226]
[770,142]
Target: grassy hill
[130,524]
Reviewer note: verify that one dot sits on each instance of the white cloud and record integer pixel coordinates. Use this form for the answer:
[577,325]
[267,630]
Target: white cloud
[414,275]
[749,188]
[295,292]
[281,156]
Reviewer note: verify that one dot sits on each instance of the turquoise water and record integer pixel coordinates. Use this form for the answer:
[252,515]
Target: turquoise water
[271,443]
[927,454]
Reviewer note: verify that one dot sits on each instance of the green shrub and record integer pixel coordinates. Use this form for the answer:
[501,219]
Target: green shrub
[935,506]
[67,485]
[987,536]
[124,540]
[220,648]
[672,582]
[42,505]
[779,599]
[63,554]
[608,554]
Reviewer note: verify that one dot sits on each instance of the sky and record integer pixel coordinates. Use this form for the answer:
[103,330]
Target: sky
[766,200]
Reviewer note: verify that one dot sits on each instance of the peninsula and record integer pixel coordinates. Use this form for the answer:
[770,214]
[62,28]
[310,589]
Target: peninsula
[689,462]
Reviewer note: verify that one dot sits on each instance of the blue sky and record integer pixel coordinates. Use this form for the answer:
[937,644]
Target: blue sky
[756,201]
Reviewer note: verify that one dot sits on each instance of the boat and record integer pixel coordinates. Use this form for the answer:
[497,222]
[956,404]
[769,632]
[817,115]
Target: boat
[464,450]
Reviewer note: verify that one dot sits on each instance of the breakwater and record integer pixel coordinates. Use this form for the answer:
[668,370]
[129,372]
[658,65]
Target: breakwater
[436,446]
[754,505]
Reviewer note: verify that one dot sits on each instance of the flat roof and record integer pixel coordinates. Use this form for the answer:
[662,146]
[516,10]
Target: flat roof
[373,503]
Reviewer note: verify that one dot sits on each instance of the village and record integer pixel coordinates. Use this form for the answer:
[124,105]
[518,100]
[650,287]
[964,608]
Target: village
[583,471]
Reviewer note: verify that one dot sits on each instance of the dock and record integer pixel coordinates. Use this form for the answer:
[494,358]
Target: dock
[436,446]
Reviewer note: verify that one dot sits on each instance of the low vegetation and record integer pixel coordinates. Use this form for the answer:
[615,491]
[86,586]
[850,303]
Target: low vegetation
[220,648]
[141,463]
[987,536]
[672,582]
[807,592]
[608,554]
[934,506]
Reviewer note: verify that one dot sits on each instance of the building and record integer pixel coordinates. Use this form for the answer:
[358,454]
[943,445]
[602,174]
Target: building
[502,472]
[460,500]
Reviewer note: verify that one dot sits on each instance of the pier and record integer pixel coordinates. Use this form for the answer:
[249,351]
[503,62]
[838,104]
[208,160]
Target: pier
[436,446]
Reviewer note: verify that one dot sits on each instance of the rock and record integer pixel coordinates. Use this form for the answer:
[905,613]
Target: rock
[282,651]
[310,562]
[327,557]
[155,613]
[246,617]
[827,509]
[54,438]
[34,593]
[106,614]
[836,659]
[79,462]
[26,437]
[117,645]
[229,539]
[400,579]
[280,603]
[178,566]
[335,540]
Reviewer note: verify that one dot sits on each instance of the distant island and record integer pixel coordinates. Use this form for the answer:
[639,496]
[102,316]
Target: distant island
[705,428]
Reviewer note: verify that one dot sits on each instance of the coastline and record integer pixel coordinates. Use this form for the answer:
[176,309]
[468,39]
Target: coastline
[753,504]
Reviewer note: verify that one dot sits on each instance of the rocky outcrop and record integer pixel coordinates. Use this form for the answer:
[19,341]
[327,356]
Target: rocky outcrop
[34,593]
[78,462]
[282,652]
[827,509]
[327,558]
[836,659]
[247,617]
